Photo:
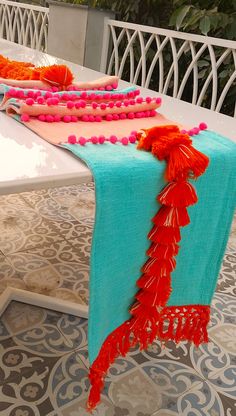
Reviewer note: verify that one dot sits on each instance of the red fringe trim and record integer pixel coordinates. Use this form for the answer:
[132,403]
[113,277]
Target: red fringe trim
[176,323]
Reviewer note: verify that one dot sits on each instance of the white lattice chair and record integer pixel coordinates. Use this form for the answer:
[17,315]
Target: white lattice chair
[25,24]
[211,67]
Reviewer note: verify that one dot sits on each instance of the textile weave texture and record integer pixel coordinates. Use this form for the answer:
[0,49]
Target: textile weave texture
[126,184]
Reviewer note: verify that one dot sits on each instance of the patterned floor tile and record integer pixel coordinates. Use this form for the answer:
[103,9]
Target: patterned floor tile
[227,279]
[54,269]
[142,389]
[200,400]
[65,203]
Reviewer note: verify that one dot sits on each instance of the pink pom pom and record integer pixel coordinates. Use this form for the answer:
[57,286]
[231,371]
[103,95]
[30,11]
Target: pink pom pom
[138,115]
[94,139]
[131,94]
[30,94]
[191,132]
[11,92]
[20,94]
[136,92]
[55,100]
[92,96]
[108,87]
[202,126]
[115,96]
[82,103]
[72,139]
[55,89]
[153,113]
[49,101]
[67,119]
[70,104]
[101,139]
[49,118]
[48,95]
[130,115]
[132,102]
[113,139]
[115,116]
[196,130]
[109,117]
[94,105]
[91,117]
[139,100]
[132,139]
[114,85]
[123,116]
[82,141]
[42,117]
[24,117]
[118,104]
[74,119]
[85,118]
[111,104]
[124,141]
[98,119]
[183,131]
[29,101]
[103,106]
[57,118]
[70,88]
[126,103]
[148,99]
[40,100]
[77,105]
[101,88]
[133,133]
[83,95]
[147,113]
[158,100]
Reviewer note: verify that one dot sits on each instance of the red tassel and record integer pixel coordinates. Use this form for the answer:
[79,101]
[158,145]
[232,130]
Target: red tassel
[164,145]
[160,251]
[171,217]
[164,235]
[146,137]
[57,75]
[147,323]
[178,194]
[185,162]
[159,267]
[157,293]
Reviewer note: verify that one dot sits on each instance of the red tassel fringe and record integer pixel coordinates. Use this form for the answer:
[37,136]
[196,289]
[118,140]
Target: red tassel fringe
[177,323]
[150,317]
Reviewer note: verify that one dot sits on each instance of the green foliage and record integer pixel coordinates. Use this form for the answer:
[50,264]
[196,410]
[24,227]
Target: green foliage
[208,17]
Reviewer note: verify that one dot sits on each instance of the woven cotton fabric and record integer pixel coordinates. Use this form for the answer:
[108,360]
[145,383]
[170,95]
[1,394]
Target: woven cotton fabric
[127,182]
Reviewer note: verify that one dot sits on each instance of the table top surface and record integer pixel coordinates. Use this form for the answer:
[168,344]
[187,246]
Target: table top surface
[28,162]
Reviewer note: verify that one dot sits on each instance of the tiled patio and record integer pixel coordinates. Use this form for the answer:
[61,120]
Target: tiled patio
[45,239]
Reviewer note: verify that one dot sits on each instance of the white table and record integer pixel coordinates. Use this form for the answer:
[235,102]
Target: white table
[28,162]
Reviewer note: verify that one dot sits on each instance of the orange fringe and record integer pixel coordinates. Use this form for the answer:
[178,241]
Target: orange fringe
[54,75]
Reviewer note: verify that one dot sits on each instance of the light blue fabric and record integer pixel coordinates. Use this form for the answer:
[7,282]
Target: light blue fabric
[127,182]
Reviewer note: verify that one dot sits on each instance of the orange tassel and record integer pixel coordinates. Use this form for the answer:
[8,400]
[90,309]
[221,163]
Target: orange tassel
[146,137]
[171,217]
[164,235]
[185,162]
[57,75]
[159,267]
[178,194]
[161,251]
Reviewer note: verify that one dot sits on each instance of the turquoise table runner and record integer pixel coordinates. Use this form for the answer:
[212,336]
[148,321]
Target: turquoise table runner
[127,182]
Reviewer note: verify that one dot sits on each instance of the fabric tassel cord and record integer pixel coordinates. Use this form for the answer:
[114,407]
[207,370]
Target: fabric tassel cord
[150,317]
